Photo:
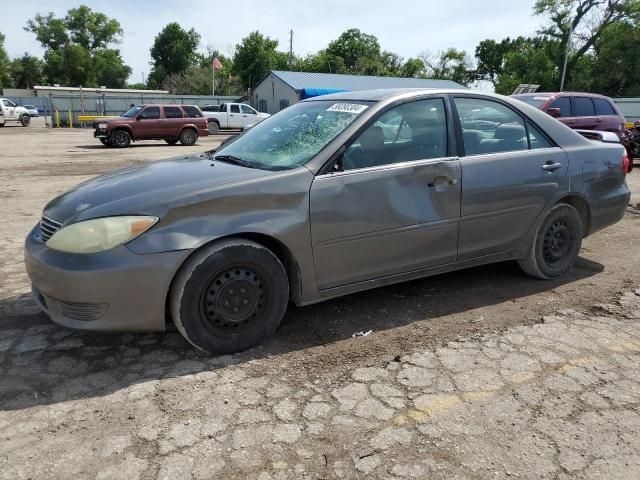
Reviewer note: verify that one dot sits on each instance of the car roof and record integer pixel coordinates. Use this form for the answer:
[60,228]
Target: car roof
[381,94]
[557,94]
[165,105]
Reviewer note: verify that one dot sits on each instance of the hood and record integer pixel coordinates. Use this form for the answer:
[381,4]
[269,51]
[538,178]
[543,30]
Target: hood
[150,189]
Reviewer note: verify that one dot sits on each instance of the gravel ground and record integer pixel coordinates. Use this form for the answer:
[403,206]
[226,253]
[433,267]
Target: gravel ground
[477,374]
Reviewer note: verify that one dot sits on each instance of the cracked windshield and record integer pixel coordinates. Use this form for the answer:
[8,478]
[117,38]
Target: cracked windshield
[293,137]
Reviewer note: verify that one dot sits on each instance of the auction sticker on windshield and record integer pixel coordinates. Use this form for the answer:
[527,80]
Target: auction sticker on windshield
[347,108]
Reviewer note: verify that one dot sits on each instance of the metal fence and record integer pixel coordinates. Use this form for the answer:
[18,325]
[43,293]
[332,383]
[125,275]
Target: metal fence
[65,109]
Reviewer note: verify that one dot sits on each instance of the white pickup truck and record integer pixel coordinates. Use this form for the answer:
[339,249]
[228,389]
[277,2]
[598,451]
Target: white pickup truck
[233,116]
[10,112]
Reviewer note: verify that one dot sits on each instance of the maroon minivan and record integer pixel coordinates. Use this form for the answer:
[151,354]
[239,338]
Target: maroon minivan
[582,111]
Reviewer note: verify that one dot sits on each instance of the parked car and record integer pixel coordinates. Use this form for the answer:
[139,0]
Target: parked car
[171,123]
[10,112]
[31,110]
[232,116]
[579,110]
[320,201]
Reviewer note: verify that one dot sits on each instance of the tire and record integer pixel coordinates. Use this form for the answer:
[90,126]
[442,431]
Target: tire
[556,245]
[25,120]
[171,141]
[120,139]
[188,137]
[207,306]
[106,142]
[214,128]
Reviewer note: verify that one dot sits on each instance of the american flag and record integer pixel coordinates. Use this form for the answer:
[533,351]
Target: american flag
[216,64]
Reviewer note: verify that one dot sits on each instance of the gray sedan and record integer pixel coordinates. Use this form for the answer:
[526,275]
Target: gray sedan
[331,196]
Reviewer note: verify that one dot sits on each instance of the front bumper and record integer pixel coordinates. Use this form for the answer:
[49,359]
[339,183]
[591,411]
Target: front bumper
[113,291]
[100,133]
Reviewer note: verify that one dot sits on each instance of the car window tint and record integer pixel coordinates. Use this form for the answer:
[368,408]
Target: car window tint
[211,108]
[235,109]
[7,103]
[247,109]
[564,104]
[603,107]
[411,131]
[490,127]
[192,111]
[583,107]
[151,113]
[536,138]
[172,112]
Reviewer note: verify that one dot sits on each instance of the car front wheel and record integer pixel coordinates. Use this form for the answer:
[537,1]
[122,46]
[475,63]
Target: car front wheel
[556,245]
[229,296]
[120,139]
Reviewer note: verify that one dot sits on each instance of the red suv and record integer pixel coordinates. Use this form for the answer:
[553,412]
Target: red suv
[171,123]
[583,111]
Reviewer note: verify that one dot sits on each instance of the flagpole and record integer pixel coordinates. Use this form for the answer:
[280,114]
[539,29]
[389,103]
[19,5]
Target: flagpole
[213,77]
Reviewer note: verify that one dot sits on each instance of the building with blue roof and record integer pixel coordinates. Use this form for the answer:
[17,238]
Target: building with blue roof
[277,90]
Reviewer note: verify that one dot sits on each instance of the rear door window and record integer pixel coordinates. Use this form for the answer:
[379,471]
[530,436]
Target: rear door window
[584,107]
[192,111]
[603,107]
[172,112]
[235,109]
[490,127]
[564,104]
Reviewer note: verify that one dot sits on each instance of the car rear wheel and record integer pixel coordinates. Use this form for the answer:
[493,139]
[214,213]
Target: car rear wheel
[213,127]
[229,296]
[556,245]
[25,120]
[120,139]
[188,137]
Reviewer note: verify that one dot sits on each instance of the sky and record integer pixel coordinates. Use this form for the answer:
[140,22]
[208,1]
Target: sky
[403,27]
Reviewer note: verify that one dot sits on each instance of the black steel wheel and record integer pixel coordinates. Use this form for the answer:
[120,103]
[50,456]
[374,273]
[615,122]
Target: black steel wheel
[556,246]
[120,139]
[188,137]
[229,296]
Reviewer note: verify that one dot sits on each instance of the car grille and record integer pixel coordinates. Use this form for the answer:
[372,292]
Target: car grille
[85,312]
[48,227]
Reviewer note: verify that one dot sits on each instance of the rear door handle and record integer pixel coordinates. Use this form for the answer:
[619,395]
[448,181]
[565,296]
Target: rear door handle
[550,166]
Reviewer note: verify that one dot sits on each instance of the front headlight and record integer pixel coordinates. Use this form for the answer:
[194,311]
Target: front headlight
[102,126]
[99,234]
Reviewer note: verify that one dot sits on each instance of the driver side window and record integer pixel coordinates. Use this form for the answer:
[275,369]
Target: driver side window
[411,131]
[150,113]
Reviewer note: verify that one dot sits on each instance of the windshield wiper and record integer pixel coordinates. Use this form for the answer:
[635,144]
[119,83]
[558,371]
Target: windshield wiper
[234,161]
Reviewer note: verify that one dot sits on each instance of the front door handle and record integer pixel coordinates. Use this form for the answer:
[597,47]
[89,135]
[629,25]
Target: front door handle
[550,166]
[440,183]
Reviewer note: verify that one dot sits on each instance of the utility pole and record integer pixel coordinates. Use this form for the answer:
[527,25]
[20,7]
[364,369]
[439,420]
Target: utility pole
[566,57]
[291,49]
[143,82]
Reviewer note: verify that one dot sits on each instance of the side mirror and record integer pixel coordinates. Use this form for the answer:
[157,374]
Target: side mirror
[554,112]
[140,117]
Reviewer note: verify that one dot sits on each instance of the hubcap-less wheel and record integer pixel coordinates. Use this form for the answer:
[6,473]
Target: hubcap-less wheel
[233,300]
[229,296]
[557,242]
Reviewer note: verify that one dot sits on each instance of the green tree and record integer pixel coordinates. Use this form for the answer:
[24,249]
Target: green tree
[5,77]
[450,64]
[412,68]
[584,21]
[255,56]
[528,61]
[77,48]
[26,71]
[174,50]
[359,52]
[616,69]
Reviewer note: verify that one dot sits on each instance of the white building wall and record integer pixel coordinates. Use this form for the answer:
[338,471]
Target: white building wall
[276,93]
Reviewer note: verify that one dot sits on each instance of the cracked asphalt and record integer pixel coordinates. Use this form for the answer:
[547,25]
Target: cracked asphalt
[482,374]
